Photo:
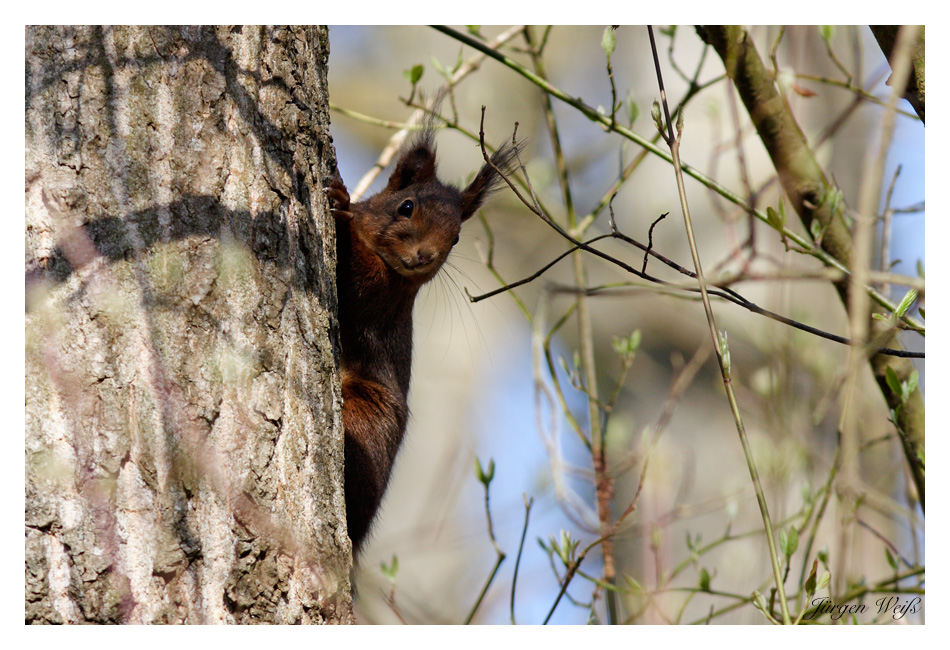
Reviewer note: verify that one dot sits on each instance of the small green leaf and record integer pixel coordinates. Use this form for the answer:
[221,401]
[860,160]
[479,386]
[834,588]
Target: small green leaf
[619,344]
[391,570]
[635,586]
[823,580]
[634,339]
[484,477]
[912,382]
[438,67]
[823,555]
[626,346]
[564,546]
[608,41]
[775,219]
[906,303]
[704,579]
[835,195]
[788,541]
[474,30]
[827,32]
[573,544]
[892,381]
[414,74]
[655,114]
[633,109]
[920,268]
[816,229]
[891,560]
[726,356]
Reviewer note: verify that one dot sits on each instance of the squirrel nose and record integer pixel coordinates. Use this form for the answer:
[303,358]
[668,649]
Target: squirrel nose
[424,257]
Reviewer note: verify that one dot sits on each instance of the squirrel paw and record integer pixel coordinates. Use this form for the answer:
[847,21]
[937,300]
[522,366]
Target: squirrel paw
[339,197]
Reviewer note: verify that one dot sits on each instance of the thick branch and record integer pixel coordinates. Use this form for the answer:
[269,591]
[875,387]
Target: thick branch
[810,193]
[886,36]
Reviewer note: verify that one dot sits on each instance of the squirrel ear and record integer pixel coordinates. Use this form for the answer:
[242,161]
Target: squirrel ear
[474,195]
[417,165]
[487,180]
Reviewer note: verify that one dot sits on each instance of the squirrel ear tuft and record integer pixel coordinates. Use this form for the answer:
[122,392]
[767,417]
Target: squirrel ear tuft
[488,179]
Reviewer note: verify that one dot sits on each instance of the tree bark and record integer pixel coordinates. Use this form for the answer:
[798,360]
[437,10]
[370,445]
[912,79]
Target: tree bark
[184,447]
[886,36]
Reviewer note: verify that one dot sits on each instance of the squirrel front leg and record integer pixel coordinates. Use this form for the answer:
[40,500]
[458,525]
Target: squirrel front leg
[374,419]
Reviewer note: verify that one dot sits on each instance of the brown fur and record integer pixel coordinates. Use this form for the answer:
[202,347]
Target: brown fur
[388,246]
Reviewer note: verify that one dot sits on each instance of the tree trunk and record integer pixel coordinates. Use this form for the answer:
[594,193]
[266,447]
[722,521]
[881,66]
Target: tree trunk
[184,448]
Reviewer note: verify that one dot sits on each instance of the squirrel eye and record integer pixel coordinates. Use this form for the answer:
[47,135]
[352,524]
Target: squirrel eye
[456,240]
[405,209]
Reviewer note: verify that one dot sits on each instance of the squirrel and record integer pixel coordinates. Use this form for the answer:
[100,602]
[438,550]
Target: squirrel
[388,246]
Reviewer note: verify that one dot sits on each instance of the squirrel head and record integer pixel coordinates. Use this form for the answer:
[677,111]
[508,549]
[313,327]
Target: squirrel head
[414,222]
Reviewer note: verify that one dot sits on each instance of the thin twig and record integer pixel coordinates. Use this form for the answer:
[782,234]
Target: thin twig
[720,291]
[396,141]
[718,340]
[886,229]
[592,114]
[514,579]
[499,554]
[649,249]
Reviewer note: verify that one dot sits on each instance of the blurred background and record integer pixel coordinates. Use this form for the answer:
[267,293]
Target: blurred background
[480,384]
